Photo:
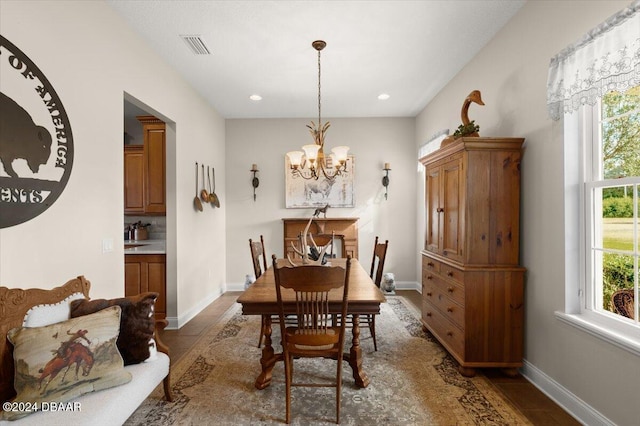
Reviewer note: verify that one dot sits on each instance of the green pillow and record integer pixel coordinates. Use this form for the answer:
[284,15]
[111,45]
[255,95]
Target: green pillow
[62,361]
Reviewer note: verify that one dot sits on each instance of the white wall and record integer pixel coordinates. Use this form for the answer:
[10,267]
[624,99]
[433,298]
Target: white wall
[373,141]
[593,379]
[92,59]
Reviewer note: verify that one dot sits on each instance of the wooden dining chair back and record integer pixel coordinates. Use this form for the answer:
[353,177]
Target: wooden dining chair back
[308,292]
[377,261]
[257,252]
[377,268]
[623,303]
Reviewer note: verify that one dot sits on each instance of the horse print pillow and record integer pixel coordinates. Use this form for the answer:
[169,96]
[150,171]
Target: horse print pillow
[137,323]
[62,361]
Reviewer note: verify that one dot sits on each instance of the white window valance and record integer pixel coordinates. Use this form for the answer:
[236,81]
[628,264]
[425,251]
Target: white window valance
[606,58]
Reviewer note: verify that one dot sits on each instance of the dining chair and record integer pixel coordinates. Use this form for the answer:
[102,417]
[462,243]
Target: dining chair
[257,252]
[623,303]
[314,335]
[377,267]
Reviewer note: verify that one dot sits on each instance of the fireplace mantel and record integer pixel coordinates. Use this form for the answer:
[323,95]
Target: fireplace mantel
[345,228]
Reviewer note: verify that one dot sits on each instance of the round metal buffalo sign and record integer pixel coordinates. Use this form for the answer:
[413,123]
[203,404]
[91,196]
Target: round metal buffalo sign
[36,144]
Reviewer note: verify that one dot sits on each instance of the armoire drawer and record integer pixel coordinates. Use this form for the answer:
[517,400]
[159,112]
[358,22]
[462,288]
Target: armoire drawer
[445,304]
[430,265]
[451,273]
[453,290]
[447,333]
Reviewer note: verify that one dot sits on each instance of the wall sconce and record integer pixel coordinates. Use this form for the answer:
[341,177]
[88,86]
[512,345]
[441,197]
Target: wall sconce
[385,179]
[255,182]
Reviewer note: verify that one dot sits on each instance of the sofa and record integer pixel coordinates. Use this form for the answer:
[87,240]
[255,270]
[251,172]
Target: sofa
[106,400]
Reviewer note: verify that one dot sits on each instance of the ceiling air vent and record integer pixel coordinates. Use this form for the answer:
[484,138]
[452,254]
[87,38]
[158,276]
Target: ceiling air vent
[196,44]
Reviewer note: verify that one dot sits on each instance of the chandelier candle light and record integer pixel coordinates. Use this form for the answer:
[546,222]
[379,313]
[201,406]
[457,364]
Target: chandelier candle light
[314,153]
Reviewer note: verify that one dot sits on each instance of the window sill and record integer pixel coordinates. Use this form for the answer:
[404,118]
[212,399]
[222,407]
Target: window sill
[621,335]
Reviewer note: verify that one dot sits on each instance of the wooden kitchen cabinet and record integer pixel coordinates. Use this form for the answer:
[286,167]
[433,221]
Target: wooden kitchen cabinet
[145,170]
[472,284]
[134,179]
[147,272]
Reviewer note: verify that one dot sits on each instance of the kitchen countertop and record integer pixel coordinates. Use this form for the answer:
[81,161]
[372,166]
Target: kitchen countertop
[146,247]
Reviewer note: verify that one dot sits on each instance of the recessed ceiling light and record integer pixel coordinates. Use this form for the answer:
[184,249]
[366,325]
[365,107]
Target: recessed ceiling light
[255,97]
[383,96]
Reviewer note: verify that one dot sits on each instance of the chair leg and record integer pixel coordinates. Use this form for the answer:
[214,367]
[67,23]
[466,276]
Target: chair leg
[287,378]
[338,389]
[372,329]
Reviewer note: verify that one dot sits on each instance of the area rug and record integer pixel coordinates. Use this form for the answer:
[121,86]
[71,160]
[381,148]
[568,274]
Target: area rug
[414,381]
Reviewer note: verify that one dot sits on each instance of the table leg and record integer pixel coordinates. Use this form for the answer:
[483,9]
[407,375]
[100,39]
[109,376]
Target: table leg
[355,355]
[269,358]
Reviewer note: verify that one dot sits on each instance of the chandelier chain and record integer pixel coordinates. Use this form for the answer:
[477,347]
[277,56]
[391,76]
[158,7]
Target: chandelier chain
[319,103]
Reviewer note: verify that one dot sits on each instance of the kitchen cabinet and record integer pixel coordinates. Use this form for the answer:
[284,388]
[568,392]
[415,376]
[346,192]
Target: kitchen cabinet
[134,179]
[472,284]
[147,272]
[145,171]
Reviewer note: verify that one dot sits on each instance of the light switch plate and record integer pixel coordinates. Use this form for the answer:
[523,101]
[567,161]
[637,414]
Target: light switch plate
[107,245]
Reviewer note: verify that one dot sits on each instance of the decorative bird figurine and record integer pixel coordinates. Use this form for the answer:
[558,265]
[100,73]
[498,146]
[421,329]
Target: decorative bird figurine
[468,127]
[473,97]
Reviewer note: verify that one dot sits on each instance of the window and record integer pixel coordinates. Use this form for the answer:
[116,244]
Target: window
[593,86]
[611,193]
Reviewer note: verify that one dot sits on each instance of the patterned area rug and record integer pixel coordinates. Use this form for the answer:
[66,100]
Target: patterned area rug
[414,381]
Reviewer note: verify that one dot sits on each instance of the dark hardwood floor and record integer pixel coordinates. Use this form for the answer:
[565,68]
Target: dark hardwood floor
[536,406]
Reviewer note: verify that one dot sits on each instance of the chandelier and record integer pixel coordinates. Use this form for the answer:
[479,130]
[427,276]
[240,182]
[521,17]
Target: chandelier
[313,154]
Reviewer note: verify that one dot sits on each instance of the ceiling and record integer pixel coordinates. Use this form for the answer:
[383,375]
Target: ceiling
[406,49]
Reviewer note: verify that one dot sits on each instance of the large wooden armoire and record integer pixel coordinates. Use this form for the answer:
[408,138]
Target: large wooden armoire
[472,284]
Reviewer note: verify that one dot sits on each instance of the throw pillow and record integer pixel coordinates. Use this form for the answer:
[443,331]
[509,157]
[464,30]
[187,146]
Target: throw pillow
[60,362]
[42,315]
[137,323]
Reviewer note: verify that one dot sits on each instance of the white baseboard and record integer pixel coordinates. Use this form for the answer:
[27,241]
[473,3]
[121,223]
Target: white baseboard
[234,286]
[176,322]
[408,285]
[573,405]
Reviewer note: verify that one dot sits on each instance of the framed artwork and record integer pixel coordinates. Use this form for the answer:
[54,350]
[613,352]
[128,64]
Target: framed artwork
[303,193]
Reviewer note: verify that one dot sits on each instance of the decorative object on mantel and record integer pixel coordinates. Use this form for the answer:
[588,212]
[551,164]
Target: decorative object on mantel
[468,127]
[322,210]
[302,241]
[319,165]
[385,179]
[255,182]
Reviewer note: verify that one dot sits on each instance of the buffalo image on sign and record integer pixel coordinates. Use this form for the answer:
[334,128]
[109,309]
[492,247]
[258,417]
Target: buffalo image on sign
[36,143]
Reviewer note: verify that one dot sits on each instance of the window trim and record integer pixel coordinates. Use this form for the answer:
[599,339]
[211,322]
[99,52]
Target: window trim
[577,168]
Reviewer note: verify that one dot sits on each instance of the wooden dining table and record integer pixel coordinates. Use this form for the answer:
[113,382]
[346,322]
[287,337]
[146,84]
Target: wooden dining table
[363,298]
